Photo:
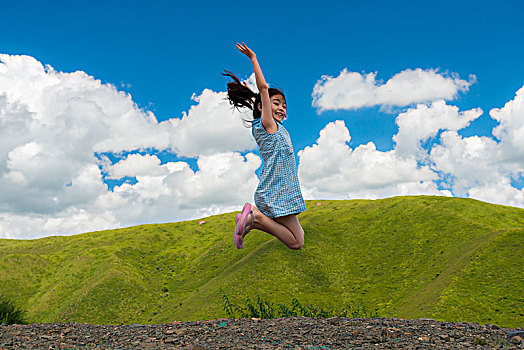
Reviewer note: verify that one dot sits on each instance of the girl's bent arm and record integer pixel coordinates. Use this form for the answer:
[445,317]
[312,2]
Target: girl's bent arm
[267,118]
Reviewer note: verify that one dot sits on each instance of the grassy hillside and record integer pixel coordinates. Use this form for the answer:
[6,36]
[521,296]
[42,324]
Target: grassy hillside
[437,257]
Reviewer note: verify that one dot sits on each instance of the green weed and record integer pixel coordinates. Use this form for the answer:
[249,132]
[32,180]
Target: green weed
[9,313]
[266,310]
[479,341]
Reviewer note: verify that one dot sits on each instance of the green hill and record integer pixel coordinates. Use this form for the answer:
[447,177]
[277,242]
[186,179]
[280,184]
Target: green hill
[445,258]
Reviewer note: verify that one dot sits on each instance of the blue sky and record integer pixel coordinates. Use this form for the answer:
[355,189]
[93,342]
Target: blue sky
[162,53]
[167,51]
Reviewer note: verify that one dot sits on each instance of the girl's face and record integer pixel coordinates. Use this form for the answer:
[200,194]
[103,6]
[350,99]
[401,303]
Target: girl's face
[278,107]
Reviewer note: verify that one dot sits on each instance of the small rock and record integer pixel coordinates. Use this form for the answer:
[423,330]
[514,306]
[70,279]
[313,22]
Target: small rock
[169,331]
[444,337]
[516,339]
[48,337]
[197,347]
[423,338]
[514,333]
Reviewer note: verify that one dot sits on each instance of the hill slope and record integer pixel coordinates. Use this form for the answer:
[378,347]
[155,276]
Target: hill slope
[437,257]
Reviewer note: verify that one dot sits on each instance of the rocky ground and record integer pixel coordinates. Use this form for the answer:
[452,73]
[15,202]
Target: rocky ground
[283,333]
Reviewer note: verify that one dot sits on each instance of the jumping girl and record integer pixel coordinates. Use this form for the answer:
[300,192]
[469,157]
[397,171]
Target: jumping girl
[278,198]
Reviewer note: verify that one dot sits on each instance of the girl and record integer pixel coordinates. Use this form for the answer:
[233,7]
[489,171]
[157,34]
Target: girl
[278,198]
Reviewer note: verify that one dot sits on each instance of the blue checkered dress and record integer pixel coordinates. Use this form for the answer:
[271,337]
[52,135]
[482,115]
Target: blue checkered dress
[278,192]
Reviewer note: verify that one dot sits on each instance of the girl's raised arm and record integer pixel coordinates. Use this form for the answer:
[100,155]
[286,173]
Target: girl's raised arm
[267,118]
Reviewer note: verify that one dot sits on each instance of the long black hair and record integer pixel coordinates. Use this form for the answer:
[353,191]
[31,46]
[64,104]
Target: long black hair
[239,95]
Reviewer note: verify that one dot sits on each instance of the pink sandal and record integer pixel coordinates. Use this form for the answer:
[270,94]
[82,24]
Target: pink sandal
[241,225]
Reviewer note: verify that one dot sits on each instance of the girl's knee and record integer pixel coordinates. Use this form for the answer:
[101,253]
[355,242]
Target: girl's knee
[297,246]
[300,239]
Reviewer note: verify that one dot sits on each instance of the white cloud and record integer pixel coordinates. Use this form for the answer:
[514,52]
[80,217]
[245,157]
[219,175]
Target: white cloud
[510,131]
[69,221]
[352,90]
[471,160]
[419,124]
[476,167]
[170,192]
[501,192]
[136,165]
[331,169]
[223,182]
[482,167]
[210,127]
[55,128]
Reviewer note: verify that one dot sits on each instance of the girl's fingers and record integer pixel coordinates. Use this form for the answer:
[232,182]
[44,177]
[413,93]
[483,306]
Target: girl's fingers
[244,49]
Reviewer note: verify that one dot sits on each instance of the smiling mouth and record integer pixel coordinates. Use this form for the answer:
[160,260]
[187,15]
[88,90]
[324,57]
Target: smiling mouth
[280,114]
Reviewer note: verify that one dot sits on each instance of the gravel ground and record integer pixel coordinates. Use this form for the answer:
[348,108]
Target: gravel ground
[281,333]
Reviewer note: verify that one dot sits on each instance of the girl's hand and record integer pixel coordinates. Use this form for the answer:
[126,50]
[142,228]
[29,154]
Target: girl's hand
[246,51]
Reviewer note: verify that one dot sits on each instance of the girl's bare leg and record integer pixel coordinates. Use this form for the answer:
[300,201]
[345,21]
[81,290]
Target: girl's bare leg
[286,228]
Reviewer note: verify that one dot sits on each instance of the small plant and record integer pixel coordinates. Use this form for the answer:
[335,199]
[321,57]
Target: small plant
[9,314]
[480,341]
[266,310]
